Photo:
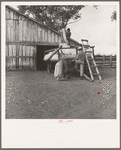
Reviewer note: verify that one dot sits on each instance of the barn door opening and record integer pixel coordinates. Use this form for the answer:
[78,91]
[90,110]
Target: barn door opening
[41,65]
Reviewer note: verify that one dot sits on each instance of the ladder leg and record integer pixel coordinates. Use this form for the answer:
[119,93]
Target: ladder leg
[87,77]
[81,70]
[92,78]
[96,68]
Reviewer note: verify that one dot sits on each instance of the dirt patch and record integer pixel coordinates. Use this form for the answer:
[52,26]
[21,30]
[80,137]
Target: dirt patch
[38,95]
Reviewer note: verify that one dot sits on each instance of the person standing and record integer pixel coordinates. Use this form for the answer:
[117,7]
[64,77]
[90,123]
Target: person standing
[80,59]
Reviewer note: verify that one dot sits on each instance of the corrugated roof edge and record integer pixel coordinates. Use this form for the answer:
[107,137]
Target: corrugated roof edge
[36,21]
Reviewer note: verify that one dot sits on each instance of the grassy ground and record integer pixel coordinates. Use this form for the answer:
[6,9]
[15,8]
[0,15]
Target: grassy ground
[38,95]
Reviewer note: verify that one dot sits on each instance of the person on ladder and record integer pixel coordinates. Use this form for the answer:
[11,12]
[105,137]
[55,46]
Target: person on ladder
[68,35]
[80,59]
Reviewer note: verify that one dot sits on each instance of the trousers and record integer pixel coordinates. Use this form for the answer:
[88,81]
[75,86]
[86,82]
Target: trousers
[81,68]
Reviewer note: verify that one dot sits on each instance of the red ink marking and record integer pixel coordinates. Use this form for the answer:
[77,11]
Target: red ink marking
[70,120]
[98,93]
[114,95]
[99,82]
[60,121]
[66,121]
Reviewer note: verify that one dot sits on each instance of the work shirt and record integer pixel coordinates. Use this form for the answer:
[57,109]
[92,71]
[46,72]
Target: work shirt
[80,57]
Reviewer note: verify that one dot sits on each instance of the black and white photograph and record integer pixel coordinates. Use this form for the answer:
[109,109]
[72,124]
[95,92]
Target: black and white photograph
[60,64]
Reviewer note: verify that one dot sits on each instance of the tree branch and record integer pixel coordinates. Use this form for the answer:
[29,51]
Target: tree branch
[74,21]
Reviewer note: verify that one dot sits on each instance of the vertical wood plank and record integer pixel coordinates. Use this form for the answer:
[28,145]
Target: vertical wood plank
[7,13]
[11,26]
[38,31]
[24,34]
[30,54]
[27,59]
[17,54]
[20,54]
[36,34]
[7,50]
[14,31]
[14,59]
[14,26]
[59,39]
[43,34]
[32,31]
[17,27]
[7,24]
[23,29]
[48,35]
[10,59]
[111,60]
[103,57]
[10,50]
[9,29]
[32,60]
[28,30]
[53,37]
[34,54]
[7,53]
[20,28]
[24,60]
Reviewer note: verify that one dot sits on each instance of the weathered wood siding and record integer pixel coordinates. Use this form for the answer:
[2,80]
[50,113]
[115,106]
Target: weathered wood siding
[20,57]
[22,36]
[21,28]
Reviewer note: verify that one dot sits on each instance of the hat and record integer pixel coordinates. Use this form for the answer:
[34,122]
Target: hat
[80,48]
[68,29]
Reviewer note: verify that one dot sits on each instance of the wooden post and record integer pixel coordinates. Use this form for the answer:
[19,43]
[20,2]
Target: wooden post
[111,60]
[103,57]
[93,50]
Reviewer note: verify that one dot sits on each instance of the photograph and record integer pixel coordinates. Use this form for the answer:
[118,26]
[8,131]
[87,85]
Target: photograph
[60,63]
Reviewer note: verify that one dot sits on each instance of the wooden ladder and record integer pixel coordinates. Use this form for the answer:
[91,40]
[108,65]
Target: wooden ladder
[92,66]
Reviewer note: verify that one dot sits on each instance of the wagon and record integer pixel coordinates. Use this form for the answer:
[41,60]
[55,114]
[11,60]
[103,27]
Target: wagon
[66,53]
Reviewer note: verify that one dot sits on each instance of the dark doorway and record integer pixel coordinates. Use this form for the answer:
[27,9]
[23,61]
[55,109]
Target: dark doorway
[41,65]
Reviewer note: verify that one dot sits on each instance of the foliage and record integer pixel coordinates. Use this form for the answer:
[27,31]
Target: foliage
[54,16]
[114,16]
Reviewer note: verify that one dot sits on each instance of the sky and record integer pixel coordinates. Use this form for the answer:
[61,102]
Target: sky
[96,26]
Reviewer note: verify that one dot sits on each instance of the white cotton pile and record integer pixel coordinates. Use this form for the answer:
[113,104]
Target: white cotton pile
[54,58]
[66,54]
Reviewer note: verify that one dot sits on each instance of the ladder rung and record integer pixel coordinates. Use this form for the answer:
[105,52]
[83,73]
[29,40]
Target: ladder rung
[95,74]
[88,51]
[92,46]
[90,59]
[86,46]
[84,40]
[93,66]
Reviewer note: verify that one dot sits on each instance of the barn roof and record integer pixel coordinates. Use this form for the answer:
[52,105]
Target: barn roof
[37,22]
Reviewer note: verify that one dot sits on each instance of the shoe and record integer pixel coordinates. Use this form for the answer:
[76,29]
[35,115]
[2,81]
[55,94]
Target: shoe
[81,78]
[68,77]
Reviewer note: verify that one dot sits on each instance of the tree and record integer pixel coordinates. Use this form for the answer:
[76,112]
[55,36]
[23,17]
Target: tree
[113,16]
[54,16]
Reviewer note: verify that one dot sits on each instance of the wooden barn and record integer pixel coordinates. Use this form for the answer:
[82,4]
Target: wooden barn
[26,41]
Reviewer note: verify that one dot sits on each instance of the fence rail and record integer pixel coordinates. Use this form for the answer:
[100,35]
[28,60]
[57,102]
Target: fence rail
[107,61]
